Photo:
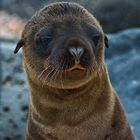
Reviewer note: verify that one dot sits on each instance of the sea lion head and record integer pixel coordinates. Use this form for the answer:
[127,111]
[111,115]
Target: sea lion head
[63,46]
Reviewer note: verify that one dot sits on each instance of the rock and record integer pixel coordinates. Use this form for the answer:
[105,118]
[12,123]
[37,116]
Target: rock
[0,70]
[122,59]
[114,15]
[121,43]
[14,95]
[12,26]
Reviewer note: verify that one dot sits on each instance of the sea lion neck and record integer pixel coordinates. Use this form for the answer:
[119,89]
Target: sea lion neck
[58,93]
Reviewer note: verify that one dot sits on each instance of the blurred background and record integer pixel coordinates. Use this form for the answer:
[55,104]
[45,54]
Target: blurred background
[121,22]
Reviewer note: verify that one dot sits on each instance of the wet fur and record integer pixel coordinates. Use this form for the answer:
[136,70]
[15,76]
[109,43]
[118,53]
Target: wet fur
[89,111]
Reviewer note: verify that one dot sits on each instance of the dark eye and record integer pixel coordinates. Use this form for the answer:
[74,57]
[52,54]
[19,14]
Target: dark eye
[96,39]
[42,44]
[43,40]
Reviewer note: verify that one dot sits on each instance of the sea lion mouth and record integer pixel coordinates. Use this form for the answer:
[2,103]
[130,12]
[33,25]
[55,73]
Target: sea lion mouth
[76,72]
[76,67]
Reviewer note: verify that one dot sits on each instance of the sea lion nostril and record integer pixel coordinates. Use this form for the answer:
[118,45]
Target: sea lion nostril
[76,52]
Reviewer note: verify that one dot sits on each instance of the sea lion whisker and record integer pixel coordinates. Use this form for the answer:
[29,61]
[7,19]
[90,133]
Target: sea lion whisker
[46,78]
[54,75]
[62,74]
[61,79]
[39,76]
[89,71]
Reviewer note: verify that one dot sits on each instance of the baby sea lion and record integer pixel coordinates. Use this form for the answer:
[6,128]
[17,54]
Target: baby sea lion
[71,97]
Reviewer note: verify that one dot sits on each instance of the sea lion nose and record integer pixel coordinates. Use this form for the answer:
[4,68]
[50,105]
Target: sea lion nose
[76,52]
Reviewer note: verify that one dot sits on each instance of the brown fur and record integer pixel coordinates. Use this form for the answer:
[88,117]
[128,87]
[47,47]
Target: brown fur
[90,111]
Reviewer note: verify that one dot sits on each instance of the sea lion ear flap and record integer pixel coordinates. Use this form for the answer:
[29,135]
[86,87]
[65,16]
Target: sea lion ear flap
[19,45]
[106,41]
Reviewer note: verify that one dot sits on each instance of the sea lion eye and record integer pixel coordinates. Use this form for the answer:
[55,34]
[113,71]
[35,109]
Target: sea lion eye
[44,37]
[96,39]
[42,45]
[43,40]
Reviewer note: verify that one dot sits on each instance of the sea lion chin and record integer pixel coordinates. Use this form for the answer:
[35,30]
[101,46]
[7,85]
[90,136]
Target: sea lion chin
[71,96]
